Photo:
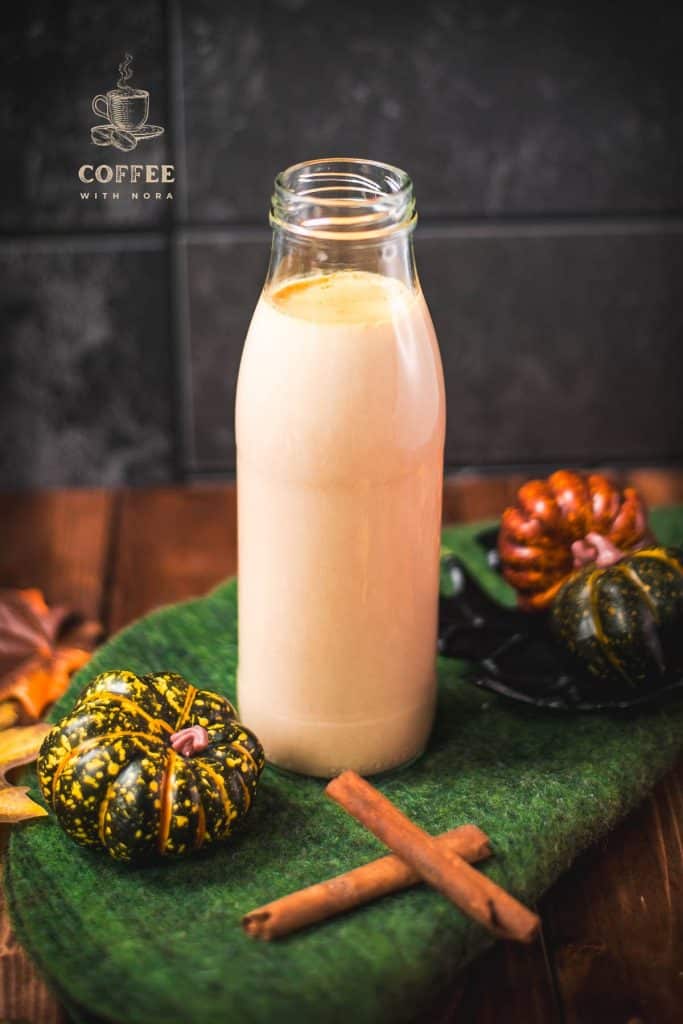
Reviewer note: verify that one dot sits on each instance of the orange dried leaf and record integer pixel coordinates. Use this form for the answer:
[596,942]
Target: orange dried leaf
[40,682]
[34,598]
[16,805]
[9,713]
[19,746]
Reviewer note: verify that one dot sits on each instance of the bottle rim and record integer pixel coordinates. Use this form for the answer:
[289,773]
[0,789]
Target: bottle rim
[343,198]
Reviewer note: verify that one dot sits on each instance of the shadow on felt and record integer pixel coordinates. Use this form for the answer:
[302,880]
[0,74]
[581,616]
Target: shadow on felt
[475,731]
[243,853]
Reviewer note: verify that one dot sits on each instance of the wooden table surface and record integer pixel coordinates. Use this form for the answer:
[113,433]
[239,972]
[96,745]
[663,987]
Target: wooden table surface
[611,949]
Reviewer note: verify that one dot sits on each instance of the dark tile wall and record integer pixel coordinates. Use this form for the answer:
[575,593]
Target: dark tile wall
[84,364]
[559,347]
[494,107]
[234,269]
[546,145]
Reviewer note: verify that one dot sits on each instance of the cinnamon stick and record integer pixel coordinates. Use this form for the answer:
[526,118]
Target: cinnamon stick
[474,893]
[361,885]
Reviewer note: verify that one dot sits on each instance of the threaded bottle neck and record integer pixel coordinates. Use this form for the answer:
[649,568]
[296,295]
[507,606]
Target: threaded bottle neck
[343,198]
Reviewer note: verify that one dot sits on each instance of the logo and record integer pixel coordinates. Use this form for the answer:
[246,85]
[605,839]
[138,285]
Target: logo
[125,111]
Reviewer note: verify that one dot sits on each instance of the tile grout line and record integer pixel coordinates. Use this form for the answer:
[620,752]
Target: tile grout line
[183,425]
[182,412]
[114,241]
[176,86]
[209,472]
[445,227]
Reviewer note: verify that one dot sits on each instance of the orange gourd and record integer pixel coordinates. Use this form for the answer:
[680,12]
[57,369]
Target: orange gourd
[560,524]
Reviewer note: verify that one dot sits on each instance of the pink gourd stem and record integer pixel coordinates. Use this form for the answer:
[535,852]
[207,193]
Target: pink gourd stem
[596,549]
[191,740]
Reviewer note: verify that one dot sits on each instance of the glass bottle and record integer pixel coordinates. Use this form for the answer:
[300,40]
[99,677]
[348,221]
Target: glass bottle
[340,421]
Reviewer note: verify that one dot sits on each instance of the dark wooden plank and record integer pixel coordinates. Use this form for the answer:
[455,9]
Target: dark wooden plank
[24,996]
[615,920]
[467,497]
[508,983]
[171,544]
[658,486]
[57,541]
[470,496]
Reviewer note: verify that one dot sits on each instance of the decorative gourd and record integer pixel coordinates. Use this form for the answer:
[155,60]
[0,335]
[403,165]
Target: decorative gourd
[625,623]
[149,765]
[562,523]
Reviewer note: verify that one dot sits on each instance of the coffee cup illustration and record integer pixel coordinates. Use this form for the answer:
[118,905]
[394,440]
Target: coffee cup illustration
[125,111]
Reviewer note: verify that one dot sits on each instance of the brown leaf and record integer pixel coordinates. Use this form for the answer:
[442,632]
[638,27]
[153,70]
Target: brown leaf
[39,649]
[26,628]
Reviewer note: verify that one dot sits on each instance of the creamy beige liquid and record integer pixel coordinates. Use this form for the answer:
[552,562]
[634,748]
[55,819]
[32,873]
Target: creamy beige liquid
[340,430]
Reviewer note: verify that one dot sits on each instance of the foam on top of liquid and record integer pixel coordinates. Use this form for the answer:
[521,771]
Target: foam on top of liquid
[343,297]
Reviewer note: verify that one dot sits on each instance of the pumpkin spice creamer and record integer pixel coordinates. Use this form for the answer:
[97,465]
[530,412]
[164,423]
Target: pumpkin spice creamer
[340,423]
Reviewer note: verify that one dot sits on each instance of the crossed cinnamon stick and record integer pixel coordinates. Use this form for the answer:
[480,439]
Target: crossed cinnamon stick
[442,861]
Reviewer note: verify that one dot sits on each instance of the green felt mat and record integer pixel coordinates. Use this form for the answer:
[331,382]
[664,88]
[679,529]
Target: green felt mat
[163,944]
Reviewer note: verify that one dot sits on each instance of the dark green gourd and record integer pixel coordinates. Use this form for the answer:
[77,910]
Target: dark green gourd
[624,623]
[149,765]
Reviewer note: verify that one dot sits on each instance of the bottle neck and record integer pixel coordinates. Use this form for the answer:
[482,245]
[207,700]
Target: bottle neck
[342,214]
[296,256]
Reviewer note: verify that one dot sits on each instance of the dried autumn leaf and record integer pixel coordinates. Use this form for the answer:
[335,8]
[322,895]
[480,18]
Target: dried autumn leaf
[9,713]
[20,745]
[27,627]
[40,647]
[39,683]
[16,805]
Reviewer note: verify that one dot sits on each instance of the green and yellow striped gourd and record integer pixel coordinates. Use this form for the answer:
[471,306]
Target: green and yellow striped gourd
[624,623]
[149,765]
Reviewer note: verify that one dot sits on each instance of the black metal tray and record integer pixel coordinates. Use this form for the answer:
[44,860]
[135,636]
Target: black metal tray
[514,653]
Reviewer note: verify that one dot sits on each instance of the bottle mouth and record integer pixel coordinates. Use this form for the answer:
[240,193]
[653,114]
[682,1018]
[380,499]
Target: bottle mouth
[343,198]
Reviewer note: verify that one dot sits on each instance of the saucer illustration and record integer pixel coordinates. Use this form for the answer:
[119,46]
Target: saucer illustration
[110,135]
[148,131]
[125,111]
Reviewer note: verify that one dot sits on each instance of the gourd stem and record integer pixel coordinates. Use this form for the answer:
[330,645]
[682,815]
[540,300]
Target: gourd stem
[597,549]
[192,740]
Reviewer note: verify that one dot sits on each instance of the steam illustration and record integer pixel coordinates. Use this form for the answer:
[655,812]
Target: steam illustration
[125,111]
[125,72]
